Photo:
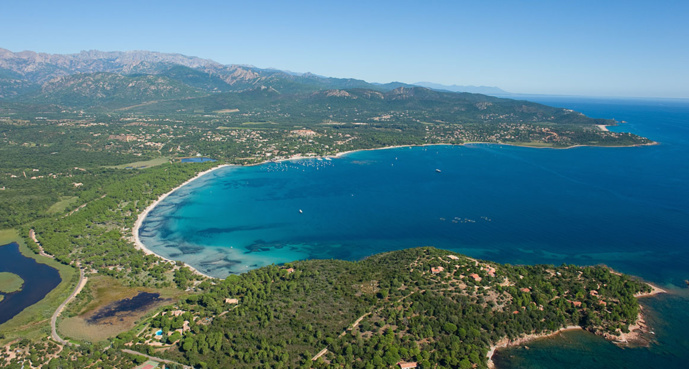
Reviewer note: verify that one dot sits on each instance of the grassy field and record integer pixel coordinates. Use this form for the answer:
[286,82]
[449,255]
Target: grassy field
[34,321]
[100,292]
[62,205]
[147,163]
[10,282]
[8,236]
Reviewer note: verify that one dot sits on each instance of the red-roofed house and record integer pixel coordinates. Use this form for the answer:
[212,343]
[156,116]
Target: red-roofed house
[406,365]
[437,270]
[476,277]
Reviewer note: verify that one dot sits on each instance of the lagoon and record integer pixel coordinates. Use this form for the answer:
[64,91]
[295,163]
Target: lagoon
[39,280]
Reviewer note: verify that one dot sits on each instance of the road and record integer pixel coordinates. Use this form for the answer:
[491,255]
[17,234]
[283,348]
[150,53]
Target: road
[53,320]
[132,352]
[42,252]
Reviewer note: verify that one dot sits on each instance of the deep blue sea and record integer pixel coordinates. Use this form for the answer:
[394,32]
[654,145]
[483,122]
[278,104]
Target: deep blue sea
[624,207]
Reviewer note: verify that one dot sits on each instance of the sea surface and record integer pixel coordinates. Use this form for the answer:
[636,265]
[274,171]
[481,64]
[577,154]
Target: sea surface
[39,280]
[624,207]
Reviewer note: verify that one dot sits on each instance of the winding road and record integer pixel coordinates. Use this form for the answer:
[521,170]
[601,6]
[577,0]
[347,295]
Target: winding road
[53,320]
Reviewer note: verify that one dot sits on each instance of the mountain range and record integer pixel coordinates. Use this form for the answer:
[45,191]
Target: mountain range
[39,76]
[158,83]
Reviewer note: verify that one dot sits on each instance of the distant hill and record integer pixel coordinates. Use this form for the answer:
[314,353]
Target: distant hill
[149,82]
[403,105]
[486,90]
[110,90]
[39,68]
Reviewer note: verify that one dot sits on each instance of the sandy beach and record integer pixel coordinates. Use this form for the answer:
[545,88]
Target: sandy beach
[603,127]
[135,230]
[654,291]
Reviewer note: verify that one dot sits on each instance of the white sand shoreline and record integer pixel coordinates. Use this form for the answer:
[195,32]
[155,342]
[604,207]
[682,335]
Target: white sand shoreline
[135,230]
[139,221]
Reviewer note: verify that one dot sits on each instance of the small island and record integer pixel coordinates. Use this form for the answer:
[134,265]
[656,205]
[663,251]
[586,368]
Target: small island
[9,282]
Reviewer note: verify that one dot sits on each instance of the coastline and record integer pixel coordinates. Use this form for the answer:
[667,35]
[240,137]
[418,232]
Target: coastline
[135,230]
[634,334]
[340,154]
[140,219]
[506,342]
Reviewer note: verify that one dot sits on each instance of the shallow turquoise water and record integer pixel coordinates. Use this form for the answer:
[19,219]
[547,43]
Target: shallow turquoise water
[625,207]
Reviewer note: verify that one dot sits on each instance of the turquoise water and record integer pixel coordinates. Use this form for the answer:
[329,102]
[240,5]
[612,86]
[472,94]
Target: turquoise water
[625,207]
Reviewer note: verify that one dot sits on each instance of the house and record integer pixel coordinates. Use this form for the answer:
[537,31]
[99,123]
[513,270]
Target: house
[476,277]
[453,257]
[406,365]
[525,289]
[437,270]
[174,312]
[290,270]
[231,301]
[576,303]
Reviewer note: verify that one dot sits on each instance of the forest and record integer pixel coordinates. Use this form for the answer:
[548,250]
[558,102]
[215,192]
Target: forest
[79,171]
[437,308]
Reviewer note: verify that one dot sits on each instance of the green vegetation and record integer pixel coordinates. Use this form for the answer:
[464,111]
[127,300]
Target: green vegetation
[10,282]
[84,154]
[426,305]
[8,236]
[143,164]
[45,353]
[62,205]
[34,322]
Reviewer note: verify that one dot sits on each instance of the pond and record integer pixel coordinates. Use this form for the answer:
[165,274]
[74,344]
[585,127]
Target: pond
[39,280]
[197,160]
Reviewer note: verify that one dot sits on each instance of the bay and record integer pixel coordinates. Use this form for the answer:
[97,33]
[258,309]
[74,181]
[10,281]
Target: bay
[625,207]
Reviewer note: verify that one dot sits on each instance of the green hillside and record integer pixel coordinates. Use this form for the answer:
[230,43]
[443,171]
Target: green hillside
[425,305]
[109,91]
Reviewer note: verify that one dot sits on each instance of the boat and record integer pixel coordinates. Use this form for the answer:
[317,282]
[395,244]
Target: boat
[437,170]
[300,211]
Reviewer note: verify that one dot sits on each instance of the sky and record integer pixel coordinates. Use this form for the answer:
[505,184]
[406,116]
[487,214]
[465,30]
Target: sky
[587,48]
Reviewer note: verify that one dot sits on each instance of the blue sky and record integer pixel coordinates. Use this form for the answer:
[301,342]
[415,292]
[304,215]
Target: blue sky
[591,48]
